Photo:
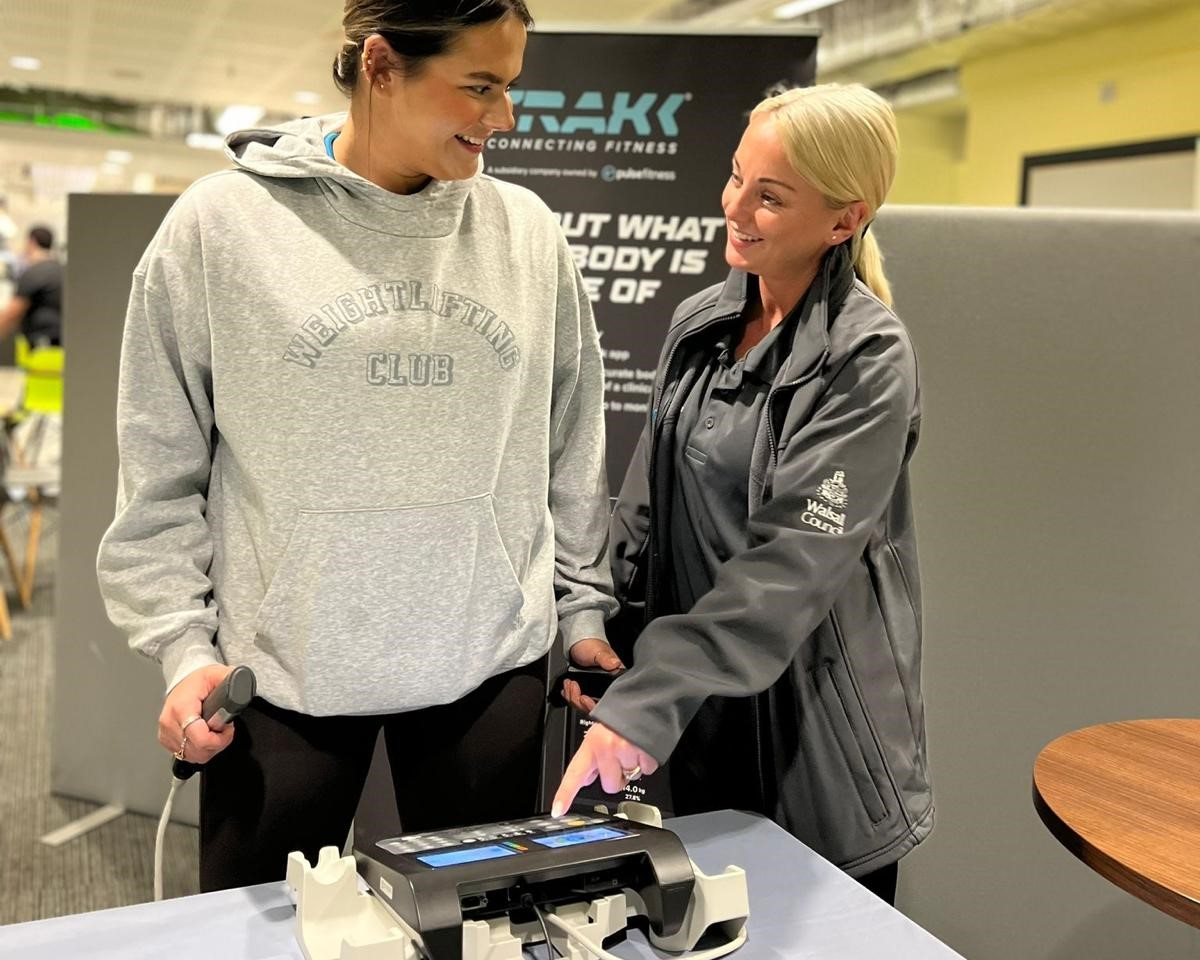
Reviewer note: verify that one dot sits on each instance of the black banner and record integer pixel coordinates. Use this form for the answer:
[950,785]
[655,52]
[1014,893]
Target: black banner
[628,138]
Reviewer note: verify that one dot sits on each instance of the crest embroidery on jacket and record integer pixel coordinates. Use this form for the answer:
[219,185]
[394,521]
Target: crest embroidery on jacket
[834,491]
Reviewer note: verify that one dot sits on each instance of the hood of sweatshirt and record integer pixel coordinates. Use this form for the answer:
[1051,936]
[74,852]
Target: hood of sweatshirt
[296,151]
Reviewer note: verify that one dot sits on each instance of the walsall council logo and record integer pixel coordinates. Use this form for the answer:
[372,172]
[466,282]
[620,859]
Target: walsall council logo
[833,490]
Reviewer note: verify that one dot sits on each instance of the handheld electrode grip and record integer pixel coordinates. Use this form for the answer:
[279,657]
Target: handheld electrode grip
[230,698]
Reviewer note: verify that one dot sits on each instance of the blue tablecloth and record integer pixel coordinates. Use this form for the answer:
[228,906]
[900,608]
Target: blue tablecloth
[801,908]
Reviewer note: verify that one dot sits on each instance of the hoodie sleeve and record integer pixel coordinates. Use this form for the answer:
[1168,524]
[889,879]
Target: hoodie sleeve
[578,482]
[153,563]
[740,636]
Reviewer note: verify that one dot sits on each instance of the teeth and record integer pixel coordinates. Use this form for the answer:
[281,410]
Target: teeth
[744,237]
[478,142]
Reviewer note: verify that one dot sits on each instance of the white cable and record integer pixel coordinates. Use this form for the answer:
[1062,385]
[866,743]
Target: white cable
[597,950]
[158,840]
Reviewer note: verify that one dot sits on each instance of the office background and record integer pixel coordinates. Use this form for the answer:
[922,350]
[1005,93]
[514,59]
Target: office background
[1054,483]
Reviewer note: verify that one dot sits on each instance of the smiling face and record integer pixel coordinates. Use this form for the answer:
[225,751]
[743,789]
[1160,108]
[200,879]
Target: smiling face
[435,122]
[779,225]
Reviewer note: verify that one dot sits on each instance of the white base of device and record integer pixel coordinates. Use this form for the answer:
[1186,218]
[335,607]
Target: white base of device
[337,921]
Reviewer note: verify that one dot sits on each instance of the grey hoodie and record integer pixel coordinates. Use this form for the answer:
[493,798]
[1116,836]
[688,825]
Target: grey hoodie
[361,435]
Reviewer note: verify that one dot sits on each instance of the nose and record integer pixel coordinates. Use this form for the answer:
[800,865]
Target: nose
[733,201]
[500,117]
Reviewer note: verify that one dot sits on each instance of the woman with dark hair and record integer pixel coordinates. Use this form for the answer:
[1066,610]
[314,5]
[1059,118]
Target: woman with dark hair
[361,437]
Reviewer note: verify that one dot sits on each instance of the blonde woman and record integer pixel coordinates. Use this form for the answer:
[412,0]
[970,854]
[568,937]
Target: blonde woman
[763,541]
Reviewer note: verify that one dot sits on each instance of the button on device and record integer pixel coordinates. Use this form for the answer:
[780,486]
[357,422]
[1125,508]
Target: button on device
[709,422]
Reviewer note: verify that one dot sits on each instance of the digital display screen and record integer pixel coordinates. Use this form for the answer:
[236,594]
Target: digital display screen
[591,835]
[452,858]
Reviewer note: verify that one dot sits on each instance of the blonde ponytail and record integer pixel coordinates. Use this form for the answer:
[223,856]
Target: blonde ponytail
[868,264]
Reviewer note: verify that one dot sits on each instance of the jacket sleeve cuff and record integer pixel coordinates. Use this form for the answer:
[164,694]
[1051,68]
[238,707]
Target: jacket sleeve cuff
[582,625]
[190,652]
[638,728]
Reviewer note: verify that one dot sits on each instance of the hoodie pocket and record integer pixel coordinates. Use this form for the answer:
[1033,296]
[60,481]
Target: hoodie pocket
[378,610]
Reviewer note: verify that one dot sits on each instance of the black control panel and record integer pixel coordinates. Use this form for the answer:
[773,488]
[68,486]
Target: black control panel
[434,881]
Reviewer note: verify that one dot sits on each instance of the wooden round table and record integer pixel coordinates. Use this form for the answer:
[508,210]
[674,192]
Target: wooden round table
[1125,799]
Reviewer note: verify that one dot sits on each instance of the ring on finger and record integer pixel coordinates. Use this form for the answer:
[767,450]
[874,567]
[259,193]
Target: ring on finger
[188,722]
[633,773]
[182,748]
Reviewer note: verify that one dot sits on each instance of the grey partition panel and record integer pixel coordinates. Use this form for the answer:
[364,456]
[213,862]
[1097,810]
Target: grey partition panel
[1058,508]
[106,699]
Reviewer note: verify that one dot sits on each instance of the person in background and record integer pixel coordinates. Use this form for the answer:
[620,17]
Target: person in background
[35,308]
[763,537]
[8,259]
[361,434]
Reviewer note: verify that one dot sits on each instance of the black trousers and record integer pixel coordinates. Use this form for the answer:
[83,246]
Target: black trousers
[882,882]
[290,781]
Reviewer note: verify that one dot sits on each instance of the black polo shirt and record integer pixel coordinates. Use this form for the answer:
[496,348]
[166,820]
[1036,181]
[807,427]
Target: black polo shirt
[41,284]
[714,439]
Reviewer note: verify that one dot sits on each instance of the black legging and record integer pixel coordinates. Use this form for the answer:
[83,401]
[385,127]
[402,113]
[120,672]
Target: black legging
[290,781]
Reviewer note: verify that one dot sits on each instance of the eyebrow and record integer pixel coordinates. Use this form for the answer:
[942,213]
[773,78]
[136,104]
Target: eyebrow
[490,77]
[778,183]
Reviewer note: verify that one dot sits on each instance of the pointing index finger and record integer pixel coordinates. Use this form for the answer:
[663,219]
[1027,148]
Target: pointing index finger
[581,771]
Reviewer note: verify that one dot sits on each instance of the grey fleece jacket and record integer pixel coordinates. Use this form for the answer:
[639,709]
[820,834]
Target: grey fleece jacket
[361,435]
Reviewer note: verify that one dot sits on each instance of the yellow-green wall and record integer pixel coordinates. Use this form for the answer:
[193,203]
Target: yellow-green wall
[1132,80]
[931,149]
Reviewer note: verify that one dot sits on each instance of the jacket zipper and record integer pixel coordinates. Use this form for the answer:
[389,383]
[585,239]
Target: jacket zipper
[761,752]
[654,440]
[774,450]
[775,391]
[826,282]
